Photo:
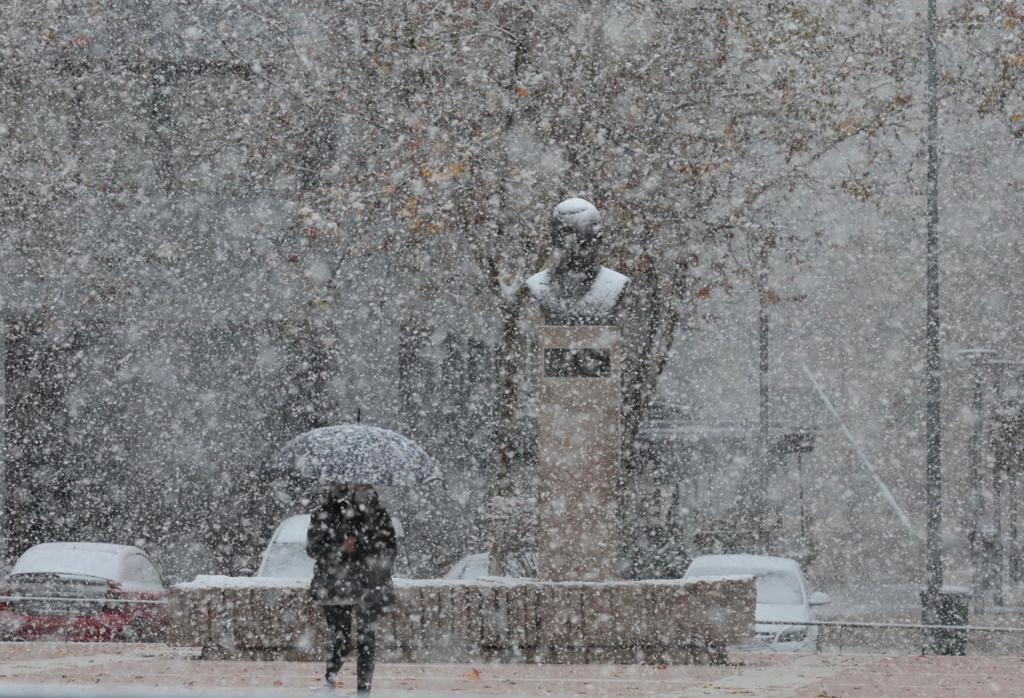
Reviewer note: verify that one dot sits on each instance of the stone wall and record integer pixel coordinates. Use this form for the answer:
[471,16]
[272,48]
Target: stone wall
[656,621]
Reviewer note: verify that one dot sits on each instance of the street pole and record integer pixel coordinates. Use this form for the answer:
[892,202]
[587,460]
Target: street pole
[933,364]
[998,490]
[3,445]
[1007,486]
[804,527]
[762,389]
[978,361]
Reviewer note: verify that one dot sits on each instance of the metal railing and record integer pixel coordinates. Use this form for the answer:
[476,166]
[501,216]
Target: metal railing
[842,625]
[900,626]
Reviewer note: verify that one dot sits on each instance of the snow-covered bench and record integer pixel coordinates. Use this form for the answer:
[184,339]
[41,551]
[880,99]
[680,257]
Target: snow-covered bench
[655,621]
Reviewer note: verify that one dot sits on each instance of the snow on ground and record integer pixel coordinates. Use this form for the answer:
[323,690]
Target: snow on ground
[59,670]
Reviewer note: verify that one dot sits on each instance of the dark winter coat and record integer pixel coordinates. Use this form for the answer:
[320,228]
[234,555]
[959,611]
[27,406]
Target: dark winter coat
[364,575]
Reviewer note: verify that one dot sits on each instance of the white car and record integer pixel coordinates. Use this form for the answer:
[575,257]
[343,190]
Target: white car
[92,592]
[470,567]
[782,598]
[476,565]
[285,555]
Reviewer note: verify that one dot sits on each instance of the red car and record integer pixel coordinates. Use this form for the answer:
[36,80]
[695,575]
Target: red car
[93,592]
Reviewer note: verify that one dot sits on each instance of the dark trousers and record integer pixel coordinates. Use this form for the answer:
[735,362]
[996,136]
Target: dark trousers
[339,635]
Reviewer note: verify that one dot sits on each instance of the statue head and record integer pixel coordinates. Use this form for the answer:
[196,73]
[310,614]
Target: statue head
[575,233]
[576,289]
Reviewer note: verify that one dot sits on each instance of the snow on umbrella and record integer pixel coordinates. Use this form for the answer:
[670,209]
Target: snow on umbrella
[358,453]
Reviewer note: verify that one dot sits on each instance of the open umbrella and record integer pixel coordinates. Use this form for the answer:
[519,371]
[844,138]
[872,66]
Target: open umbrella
[358,453]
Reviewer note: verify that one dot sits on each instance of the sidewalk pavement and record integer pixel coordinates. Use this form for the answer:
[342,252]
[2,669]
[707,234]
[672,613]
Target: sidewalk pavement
[84,670]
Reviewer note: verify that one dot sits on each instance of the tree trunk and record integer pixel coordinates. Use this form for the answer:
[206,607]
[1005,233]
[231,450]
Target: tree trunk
[508,439]
[655,336]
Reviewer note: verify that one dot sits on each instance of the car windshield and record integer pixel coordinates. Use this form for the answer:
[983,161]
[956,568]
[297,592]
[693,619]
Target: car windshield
[68,560]
[773,586]
[778,588]
[293,529]
[469,567]
[287,560]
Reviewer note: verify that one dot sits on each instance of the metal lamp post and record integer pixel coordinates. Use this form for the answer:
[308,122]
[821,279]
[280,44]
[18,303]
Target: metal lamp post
[978,359]
[933,601]
[1007,482]
[762,392]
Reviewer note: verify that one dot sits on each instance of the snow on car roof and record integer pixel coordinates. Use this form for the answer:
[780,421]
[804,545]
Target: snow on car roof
[763,563]
[91,559]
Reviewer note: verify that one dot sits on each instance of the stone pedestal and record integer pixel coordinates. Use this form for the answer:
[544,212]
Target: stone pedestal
[579,533]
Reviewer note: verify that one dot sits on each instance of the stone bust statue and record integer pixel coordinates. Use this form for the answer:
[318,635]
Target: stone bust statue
[577,290]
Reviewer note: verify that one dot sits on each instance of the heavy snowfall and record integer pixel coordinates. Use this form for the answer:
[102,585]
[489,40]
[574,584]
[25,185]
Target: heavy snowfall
[226,225]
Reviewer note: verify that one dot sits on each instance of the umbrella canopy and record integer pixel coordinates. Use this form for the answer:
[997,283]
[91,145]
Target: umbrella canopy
[358,453]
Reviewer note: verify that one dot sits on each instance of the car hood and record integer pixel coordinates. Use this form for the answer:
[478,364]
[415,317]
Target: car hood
[792,613]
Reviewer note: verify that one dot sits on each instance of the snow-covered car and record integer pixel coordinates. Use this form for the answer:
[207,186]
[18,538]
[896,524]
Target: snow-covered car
[476,565]
[470,567]
[285,555]
[97,592]
[782,598]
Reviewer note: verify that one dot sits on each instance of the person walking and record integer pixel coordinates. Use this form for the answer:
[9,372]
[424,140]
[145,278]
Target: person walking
[352,541]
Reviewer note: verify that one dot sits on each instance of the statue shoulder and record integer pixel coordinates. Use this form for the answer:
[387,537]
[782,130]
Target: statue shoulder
[608,287]
[610,276]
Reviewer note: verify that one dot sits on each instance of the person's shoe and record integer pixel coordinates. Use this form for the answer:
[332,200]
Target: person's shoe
[326,688]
